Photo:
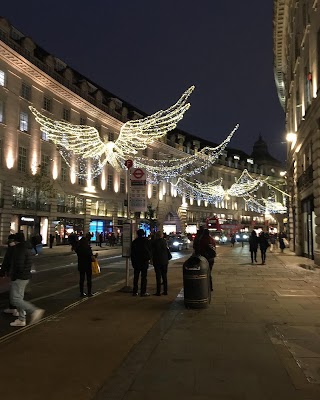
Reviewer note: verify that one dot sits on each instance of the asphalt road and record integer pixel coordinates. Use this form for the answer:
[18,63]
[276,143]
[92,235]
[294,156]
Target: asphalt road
[54,285]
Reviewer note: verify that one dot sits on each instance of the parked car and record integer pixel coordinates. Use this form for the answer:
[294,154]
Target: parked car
[178,242]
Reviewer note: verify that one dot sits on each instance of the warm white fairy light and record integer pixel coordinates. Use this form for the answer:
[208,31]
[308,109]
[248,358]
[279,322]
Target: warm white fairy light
[244,185]
[159,170]
[207,192]
[265,206]
[84,142]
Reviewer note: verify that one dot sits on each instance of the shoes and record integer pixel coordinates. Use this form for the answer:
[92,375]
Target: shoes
[36,316]
[165,293]
[83,294]
[134,294]
[36,254]
[16,313]
[145,294]
[90,294]
[157,294]
[18,322]
[9,310]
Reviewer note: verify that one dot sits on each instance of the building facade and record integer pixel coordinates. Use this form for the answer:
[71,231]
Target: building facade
[38,191]
[297,76]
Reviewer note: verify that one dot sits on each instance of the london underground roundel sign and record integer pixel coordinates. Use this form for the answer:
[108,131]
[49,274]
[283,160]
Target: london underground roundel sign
[138,173]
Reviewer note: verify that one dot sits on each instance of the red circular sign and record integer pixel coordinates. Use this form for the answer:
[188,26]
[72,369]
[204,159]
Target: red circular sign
[128,163]
[138,173]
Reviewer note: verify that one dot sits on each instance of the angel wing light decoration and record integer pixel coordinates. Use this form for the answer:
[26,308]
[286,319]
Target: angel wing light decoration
[81,144]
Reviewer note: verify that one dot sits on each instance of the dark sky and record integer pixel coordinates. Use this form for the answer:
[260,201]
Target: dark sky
[148,52]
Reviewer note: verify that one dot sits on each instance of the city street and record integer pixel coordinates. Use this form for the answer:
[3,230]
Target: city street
[55,281]
[258,339]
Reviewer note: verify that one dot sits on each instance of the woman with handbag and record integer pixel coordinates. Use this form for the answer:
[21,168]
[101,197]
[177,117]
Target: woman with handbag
[160,259]
[85,257]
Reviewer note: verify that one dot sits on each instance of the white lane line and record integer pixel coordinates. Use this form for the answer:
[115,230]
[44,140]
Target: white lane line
[67,289]
[52,316]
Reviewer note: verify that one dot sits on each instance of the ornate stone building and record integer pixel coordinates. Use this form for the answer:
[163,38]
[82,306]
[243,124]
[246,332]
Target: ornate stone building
[58,202]
[297,75]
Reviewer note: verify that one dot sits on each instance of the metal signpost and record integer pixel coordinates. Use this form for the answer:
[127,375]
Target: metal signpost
[127,231]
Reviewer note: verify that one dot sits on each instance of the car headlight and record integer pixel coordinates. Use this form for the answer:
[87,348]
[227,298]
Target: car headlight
[245,237]
[224,238]
[216,238]
[237,236]
[175,243]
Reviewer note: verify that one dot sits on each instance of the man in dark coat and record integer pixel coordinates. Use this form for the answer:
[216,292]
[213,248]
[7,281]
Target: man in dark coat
[20,275]
[160,260]
[5,271]
[140,257]
[85,257]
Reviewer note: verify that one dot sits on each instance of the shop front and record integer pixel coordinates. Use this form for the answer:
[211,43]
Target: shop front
[63,227]
[100,225]
[30,225]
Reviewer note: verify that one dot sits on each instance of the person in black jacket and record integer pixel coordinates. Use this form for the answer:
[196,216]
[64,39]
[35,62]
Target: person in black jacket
[253,246]
[140,257]
[85,257]
[160,260]
[20,275]
[5,271]
[263,244]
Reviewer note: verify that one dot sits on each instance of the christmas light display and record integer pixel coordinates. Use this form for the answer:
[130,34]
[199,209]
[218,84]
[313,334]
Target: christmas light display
[246,184]
[167,169]
[210,193]
[265,206]
[81,142]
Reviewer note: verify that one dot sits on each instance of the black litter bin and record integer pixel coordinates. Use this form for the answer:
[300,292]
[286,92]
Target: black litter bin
[196,282]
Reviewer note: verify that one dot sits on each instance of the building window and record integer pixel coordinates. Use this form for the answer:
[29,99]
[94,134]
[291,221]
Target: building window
[154,191]
[24,121]
[83,121]
[63,171]
[45,164]
[45,136]
[110,182]
[26,91]
[122,185]
[111,137]
[2,78]
[1,111]
[81,181]
[96,181]
[66,114]
[22,159]
[47,104]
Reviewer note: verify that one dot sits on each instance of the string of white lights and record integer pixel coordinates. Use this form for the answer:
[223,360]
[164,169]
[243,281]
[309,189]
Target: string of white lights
[245,184]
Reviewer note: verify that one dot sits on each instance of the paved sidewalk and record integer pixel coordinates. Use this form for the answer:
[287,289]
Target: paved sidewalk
[259,339]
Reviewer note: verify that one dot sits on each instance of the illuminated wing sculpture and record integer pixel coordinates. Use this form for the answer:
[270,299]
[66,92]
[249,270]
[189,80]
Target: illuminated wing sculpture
[80,144]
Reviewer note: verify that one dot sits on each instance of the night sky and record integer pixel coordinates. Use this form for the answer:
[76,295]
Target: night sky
[148,52]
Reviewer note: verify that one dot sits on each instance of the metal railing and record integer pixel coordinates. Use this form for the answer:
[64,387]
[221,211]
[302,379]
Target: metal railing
[306,178]
[30,205]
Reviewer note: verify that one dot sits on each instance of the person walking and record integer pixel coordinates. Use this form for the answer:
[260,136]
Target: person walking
[140,257]
[263,244]
[85,257]
[207,249]
[282,244]
[5,271]
[160,259]
[51,240]
[232,240]
[196,241]
[20,275]
[253,246]
[100,239]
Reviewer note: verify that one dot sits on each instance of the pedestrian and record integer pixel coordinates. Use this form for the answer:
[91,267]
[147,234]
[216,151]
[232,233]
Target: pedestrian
[282,244]
[51,240]
[72,239]
[232,240]
[140,257]
[160,260]
[85,257]
[253,246]
[207,248]
[263,244]
[6,271]
[100,239]
[272,242]
[34,242]
[196,241]
[20,275]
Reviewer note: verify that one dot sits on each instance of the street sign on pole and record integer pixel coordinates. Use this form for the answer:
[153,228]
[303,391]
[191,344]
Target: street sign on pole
[128,163]
[138,190]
